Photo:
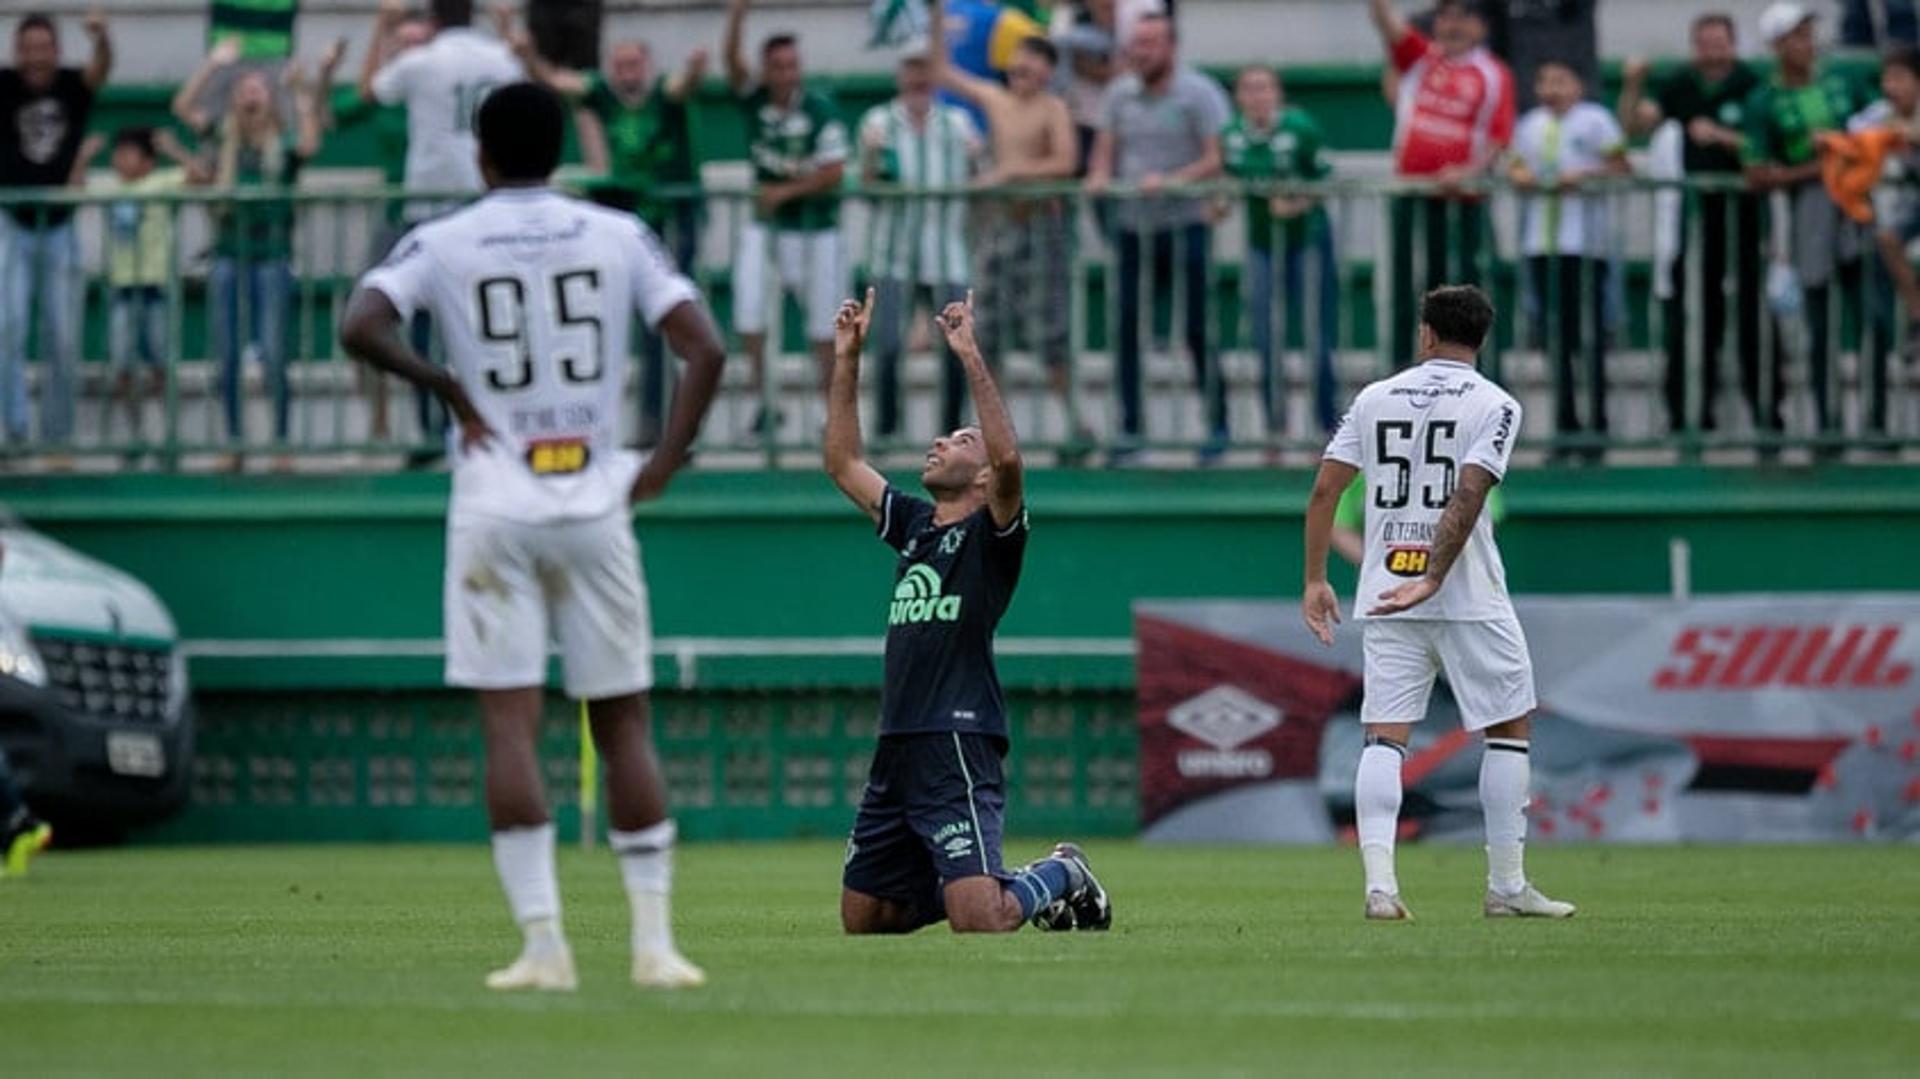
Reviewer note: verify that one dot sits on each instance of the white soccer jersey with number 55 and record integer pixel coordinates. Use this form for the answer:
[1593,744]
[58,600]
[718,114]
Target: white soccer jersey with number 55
[1410,435]
[533,294]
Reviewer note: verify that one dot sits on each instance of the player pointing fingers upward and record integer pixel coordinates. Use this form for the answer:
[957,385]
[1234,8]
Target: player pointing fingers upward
[926,840]
[1431,442]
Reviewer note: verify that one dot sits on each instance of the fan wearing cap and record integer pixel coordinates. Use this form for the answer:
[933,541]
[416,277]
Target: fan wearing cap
[1783,118]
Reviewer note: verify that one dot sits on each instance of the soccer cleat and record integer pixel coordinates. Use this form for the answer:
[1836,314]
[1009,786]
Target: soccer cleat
[666,970]
[1085,898]
[23,844]
[1526,903]
[548,970]
[1386,907]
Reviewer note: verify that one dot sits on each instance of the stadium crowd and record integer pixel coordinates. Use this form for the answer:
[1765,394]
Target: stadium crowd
[1051,108]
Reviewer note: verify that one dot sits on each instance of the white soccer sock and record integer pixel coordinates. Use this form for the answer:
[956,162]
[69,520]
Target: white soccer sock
[1505,774]
[524,859]
[1376,802]
[646,867]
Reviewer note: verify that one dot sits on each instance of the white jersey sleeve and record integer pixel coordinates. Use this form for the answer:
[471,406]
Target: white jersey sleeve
[391,82]
[405,275]
[1491,446]
[1344,447]
[658,286]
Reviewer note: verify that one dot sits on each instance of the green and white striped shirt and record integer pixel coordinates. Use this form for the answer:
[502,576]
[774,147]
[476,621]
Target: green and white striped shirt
[922,240]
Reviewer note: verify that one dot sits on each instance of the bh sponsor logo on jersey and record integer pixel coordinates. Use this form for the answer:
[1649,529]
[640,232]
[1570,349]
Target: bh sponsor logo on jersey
[917,599]
[1226,718]
[1803,657]
[956,839]
[1407,561]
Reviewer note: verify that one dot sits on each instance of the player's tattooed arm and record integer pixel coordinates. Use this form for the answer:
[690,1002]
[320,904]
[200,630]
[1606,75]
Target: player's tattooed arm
[1006,490]
[845,454]
[1449,539]
[1318,605]
[370,331]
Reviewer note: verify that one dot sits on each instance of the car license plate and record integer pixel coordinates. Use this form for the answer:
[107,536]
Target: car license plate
[136,753]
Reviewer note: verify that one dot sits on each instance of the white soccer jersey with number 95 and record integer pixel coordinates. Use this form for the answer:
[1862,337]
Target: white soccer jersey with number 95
[533,294]
[1410,435]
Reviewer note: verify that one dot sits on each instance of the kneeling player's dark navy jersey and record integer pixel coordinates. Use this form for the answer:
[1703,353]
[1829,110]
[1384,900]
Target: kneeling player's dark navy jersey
[953,584]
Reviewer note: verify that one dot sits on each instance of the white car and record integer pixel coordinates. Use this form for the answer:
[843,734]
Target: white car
[95,716]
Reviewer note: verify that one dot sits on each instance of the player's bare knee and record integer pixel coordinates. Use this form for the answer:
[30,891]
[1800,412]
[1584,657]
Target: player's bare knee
[1396,734]
[1512,728]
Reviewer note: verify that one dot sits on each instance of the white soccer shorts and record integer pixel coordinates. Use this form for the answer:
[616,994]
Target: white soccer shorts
[1487,668]
[809,266]
[511,587]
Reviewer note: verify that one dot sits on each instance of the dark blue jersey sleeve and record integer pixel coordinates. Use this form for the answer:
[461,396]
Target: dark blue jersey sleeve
[1007,547]
[902,516]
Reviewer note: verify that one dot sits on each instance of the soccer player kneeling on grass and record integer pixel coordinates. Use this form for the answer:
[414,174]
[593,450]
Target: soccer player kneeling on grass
[1431,442]
[535,293]
[926,842]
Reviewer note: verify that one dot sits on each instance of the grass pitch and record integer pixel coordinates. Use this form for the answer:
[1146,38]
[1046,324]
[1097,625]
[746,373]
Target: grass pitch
[369,960]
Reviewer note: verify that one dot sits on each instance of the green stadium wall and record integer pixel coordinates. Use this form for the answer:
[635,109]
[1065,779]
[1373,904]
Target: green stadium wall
[368,745]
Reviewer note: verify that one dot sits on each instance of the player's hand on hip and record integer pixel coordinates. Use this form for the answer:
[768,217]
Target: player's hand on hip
[652,481]
[474,434]
[1321,608]
[1405,597]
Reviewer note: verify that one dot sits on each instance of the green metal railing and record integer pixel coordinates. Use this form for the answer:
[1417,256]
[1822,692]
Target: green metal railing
[739,764]
[1753,369]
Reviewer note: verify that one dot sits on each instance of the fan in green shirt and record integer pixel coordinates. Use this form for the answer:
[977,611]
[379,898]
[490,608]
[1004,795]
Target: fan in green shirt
[797,141]
[1275,144]
[634,126]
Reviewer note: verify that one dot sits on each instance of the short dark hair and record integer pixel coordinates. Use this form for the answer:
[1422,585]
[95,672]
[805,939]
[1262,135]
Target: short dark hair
[452,12]
[1716,18]
[35,20]
[140,138]
[1457,315]
[779,41]
[521,127]
[1464,7]
[1564,65]
[1905,56]
[1042,48]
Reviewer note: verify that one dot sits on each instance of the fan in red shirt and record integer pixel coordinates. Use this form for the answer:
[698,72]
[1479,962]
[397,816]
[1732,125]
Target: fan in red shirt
[1453,114]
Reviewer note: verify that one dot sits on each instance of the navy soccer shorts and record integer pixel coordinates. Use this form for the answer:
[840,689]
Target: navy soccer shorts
[931,815]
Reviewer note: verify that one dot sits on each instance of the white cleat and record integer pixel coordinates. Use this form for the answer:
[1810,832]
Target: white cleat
[1385,907]
[1526,903]
[666,970]
[552,972]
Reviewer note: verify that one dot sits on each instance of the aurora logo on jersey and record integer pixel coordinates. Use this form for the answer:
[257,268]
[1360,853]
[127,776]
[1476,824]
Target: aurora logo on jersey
[1407,561]
[917,600]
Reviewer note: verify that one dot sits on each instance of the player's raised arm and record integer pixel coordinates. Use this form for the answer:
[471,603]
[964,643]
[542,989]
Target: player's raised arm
[370,331]
[1006,490]
[1449,537]
[845,456]
[1318,605]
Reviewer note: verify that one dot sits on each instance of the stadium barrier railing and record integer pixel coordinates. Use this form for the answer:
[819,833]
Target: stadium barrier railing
[1775,338]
